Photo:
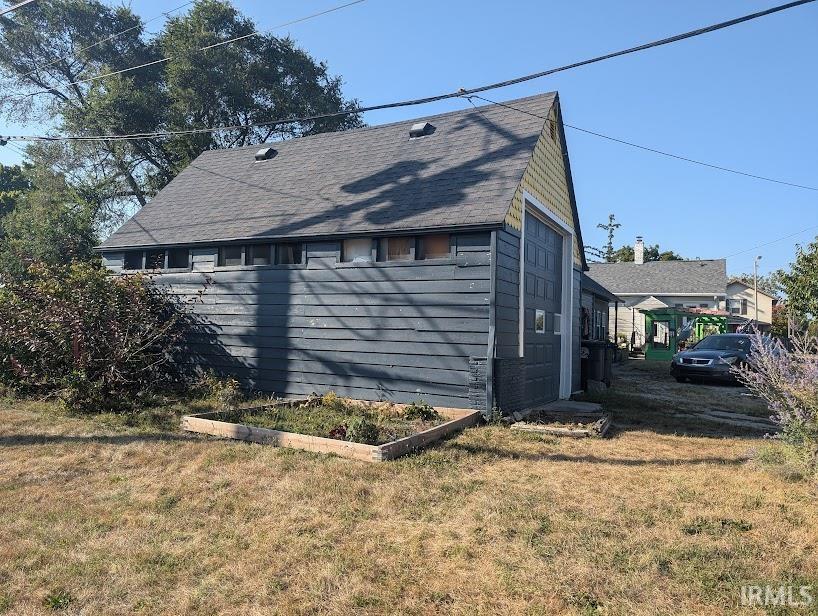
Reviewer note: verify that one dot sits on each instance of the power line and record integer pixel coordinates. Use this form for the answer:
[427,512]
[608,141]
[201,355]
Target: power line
[107,38]
[417,101]
[205,48]
[15,7]
[775,241]
[648,149]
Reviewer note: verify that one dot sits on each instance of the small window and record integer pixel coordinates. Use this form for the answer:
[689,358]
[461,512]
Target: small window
[558,324]
[133,260]
[288,254]
[434,247]
[357,250]
[539,321]
[703,305]
[397,249]
[154,259]
[552,128]
[744,306]
[259,254]
[178,258]
[230,256]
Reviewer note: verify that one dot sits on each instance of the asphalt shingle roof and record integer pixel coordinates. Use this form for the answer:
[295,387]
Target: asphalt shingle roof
[364,180]
[662,277]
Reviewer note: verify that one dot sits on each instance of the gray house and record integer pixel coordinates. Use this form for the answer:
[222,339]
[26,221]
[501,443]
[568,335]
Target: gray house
[438,258]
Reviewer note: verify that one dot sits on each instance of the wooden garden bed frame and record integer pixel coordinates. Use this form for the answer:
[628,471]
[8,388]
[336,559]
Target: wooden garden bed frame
[204,423]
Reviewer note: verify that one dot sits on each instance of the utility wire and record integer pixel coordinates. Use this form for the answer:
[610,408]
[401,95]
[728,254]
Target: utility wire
[14,7]
[206,48]
[107,38]
[648,149]
[412,102]
[775,241]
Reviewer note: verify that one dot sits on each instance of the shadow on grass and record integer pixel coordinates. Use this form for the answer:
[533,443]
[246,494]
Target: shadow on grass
[25,440]
[516,454]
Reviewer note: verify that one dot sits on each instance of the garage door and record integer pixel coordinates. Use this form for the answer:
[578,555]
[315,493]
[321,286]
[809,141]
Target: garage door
[542,300]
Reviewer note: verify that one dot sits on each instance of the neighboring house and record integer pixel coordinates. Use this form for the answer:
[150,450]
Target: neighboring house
[596,302]
[658,284]
[382,262]
[741,304]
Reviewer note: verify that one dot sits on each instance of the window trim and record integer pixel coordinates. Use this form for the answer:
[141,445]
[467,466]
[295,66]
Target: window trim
[219,249]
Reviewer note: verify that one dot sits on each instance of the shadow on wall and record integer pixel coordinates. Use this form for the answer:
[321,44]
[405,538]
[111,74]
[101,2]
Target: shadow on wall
[277,307]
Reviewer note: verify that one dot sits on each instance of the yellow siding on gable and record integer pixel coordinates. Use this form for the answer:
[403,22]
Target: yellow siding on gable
[544,178]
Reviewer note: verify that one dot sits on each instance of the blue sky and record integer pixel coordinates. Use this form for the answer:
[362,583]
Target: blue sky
[743,98]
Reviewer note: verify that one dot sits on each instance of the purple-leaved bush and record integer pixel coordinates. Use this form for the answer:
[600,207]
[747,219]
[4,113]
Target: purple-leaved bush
[788,380]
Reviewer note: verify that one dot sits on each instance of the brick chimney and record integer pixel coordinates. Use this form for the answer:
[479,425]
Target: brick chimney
[639,250]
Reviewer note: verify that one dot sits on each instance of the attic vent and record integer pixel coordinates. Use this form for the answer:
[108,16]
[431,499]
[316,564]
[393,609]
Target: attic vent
[421,129]
[265,153]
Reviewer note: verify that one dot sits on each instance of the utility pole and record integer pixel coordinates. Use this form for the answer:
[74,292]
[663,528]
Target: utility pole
[755,285]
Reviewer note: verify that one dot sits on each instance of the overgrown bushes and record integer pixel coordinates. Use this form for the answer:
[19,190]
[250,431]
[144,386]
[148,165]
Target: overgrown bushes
[788,381]
[98,342]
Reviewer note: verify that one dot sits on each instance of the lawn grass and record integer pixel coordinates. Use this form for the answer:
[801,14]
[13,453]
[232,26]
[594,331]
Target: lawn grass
[101,517]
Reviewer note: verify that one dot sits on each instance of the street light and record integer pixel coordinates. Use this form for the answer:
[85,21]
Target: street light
[755,284]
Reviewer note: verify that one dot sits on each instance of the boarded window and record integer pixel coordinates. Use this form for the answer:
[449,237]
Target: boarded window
[133,260]
[179,258]
[434,246]
[154,259]
[397,248]
[230,255]
[357,250]
[288,254]
[259,254]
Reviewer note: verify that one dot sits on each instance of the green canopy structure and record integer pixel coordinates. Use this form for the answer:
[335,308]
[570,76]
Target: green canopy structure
[668,330]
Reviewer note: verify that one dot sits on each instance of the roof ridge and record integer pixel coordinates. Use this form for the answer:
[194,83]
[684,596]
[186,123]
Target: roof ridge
[480,109]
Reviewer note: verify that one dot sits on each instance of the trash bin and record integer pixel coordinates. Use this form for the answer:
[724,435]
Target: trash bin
[600,358]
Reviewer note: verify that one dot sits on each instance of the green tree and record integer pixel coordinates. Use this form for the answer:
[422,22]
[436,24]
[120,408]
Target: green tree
[652,253]
[50,224]
[13,184]
[257,79]
[611,228]
[801,283]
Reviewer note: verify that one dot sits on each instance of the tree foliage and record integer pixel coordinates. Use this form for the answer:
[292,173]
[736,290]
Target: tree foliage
[611,226]
[98,342]
[49,224]
[652,253]
[14,183]
[801,283]
[769,283]
[257,79]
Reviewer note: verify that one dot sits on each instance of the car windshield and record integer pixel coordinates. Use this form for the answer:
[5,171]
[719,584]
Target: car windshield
[724,343]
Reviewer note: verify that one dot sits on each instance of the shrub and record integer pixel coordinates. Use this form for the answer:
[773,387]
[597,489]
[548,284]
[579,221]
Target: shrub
[225,392]
[788,381]
[98,342]
[420,410]
[362,430]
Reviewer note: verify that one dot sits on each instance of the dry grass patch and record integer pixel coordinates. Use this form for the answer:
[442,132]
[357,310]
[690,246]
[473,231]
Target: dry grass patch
[122,520]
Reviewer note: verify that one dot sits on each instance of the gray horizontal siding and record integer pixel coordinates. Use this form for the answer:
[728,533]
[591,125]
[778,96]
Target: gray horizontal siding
[395,331]
[508,294]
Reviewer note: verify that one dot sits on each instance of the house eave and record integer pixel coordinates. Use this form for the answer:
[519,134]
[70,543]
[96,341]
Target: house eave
[461,228]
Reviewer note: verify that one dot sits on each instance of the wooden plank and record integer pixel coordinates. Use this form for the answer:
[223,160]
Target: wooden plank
[450,343]
[439,324]
[204,423]
[395,449]
[346,449]
[363,309]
